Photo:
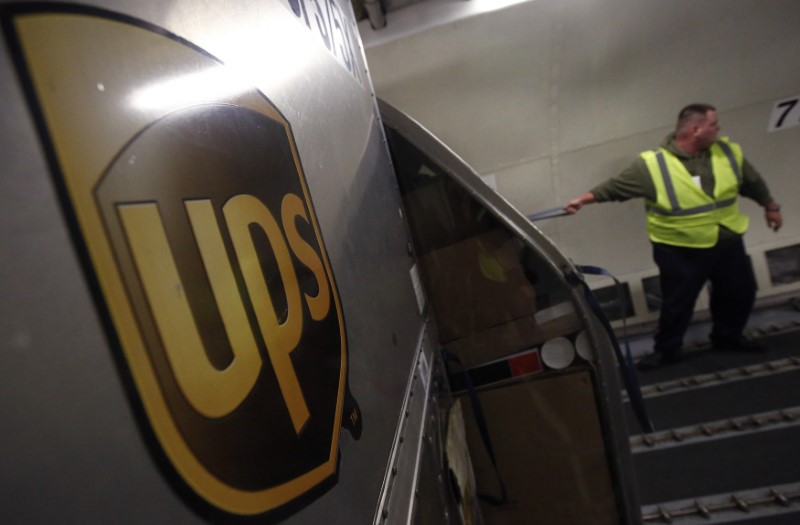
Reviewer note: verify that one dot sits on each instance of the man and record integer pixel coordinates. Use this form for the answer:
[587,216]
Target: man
[691,185]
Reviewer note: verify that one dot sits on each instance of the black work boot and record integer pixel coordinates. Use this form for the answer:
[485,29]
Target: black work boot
[737,344]
[659,358]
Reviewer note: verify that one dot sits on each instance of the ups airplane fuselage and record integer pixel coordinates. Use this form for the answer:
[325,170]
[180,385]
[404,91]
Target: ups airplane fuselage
[273,261]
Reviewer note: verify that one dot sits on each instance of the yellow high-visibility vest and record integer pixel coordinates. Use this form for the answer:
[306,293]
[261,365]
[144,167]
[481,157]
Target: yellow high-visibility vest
[683,214]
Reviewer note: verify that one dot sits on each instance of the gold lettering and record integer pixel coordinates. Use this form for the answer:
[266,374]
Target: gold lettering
[281,338]
[291,208]
[213,393]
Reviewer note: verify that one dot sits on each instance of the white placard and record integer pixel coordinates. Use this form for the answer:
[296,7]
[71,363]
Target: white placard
[558,353]
[424,370]
[785,114]
[418,290]
[584,346]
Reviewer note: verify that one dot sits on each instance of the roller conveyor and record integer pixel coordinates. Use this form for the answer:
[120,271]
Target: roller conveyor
[727,428]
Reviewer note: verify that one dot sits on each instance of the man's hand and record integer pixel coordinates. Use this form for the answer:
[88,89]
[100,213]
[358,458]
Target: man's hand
[774,219]
[577,203]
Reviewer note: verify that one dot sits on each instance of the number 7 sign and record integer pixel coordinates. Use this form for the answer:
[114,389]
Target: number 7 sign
[785,114]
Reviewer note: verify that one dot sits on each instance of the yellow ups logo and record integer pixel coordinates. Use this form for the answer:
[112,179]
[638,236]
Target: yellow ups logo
[202,238]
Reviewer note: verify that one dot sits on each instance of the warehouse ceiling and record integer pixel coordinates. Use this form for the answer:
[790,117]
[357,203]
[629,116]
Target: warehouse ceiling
[381,21]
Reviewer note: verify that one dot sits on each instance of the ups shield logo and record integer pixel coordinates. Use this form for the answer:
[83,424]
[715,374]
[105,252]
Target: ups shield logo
[202,238]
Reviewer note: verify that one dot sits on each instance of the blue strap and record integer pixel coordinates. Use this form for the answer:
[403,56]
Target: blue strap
[480,419]
[547,214]
[627,367]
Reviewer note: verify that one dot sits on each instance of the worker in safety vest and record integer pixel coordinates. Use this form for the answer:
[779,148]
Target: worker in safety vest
[691,186]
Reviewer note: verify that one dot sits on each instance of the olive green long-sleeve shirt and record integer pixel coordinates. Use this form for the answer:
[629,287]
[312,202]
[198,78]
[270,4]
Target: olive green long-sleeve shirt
[635,181]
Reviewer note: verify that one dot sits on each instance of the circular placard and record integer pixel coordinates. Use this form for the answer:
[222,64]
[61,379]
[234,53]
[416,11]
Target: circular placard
[558,353]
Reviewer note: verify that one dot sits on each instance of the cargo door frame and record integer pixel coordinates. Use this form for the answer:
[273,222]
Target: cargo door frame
[606,380]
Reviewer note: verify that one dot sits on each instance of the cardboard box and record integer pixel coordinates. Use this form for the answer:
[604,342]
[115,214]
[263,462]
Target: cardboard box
[550,453]
[509,338]
[476,284]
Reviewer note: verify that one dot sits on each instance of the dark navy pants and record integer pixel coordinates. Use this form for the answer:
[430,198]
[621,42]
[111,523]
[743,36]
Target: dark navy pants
[684,272]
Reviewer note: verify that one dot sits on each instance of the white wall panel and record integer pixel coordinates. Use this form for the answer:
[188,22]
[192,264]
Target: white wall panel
[481,85]
[629,66]
[574,89]
[515,184]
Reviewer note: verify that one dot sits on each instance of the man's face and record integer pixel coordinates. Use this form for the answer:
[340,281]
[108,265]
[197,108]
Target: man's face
[706,130]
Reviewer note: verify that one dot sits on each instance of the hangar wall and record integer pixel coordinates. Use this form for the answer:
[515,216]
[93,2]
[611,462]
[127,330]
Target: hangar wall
[547,98]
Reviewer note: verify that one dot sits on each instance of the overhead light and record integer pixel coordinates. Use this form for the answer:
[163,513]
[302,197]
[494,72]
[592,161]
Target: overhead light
[375,14]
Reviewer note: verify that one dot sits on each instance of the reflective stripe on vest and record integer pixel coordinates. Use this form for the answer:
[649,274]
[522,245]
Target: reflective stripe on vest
[682,214]
[677,211]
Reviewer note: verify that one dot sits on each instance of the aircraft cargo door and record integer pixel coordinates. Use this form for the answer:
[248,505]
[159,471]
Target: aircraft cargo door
[528,361]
